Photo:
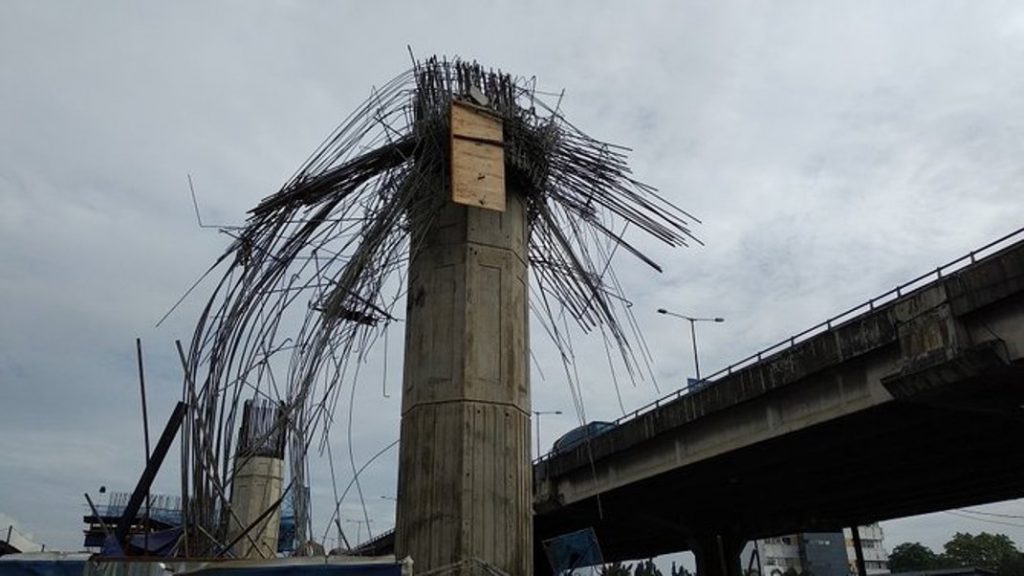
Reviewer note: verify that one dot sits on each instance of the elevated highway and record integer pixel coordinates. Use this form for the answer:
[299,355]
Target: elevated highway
[911,403]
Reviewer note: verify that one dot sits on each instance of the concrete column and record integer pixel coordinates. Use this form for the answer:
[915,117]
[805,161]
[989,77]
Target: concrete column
[464,487]
[256,487]
[718,555]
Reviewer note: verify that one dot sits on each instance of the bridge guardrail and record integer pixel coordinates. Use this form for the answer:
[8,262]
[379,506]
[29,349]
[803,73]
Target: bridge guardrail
[837,320]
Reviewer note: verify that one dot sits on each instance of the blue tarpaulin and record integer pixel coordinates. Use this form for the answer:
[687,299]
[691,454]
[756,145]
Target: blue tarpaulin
[573,550]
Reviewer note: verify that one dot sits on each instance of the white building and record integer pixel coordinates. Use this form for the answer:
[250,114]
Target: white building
[872,545]
[821,553]
[778,554]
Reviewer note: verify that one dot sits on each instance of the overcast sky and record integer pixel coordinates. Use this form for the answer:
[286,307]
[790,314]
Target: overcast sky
[833,150]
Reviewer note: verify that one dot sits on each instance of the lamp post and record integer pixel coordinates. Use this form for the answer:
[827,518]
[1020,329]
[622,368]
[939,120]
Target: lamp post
[693,333]
[359,529]
[538,414]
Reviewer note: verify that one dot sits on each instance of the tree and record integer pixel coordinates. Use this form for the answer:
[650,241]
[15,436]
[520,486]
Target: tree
[912,556]
[646,568]
[682,571]
[615,569]
[1012,565]
[982,551]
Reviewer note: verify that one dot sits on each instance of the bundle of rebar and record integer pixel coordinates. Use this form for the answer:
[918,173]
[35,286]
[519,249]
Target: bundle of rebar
[311,282]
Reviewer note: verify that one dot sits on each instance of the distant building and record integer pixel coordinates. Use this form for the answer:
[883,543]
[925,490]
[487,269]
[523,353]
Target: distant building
[872,545]
[164,513]
[777,555]
[822,553]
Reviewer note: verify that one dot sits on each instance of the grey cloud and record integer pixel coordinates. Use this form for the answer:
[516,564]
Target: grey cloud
[832,151]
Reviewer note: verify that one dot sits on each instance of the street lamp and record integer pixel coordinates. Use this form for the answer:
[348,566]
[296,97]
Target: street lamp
[693,333]
[359,529]
[538,414]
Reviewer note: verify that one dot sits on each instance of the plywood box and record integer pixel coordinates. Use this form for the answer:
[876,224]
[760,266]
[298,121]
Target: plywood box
[478,158]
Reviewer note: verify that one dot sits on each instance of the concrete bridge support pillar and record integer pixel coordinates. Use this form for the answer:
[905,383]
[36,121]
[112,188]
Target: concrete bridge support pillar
[464,482]
[718,555]
[256,488]
[258,480]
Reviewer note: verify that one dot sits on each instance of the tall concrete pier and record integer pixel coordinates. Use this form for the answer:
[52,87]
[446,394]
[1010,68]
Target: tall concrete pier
[414,180]
[464,485]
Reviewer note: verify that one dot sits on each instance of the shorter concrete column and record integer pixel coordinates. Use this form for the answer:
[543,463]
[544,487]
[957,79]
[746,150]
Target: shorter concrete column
[718,555]
[257,487]
[257,483]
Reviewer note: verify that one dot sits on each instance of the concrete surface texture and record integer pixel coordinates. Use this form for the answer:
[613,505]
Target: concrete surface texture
[464,486]
[256,487]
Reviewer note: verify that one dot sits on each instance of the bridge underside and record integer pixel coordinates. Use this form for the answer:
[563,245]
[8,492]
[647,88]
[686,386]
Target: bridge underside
[949,446]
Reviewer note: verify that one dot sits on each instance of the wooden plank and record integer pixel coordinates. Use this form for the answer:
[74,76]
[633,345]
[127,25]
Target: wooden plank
[478,159]
[473,123]
[478,174]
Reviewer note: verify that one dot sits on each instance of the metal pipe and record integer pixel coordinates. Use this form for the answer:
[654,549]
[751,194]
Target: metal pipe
[145,433]
[146,480]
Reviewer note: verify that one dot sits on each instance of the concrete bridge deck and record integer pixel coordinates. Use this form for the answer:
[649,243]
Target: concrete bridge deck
[911,405]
